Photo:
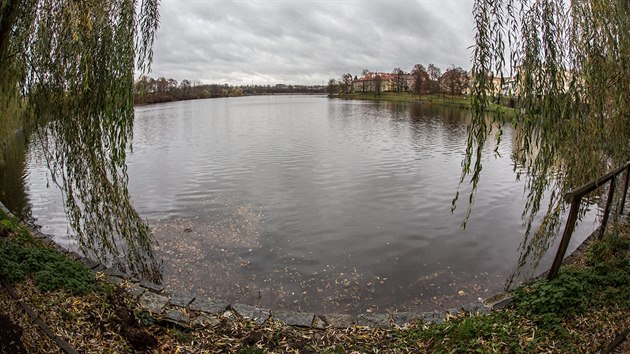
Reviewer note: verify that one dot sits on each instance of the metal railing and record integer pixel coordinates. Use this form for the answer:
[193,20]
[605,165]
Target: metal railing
[575,198]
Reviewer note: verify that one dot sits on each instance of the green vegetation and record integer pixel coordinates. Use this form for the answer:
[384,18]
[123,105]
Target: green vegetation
[572,91]
[548,314]
[605,280]
[22,256]
[579,311]
[445,100]
[11,120]
[69,66]
[460,101]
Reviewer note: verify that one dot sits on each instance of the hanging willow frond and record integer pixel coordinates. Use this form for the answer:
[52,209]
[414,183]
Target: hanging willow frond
[571,61]
[71,63]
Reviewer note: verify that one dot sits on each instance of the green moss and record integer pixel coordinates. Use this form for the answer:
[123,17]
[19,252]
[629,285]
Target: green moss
[22,255]
[144,318]
[495,332]
[12,226]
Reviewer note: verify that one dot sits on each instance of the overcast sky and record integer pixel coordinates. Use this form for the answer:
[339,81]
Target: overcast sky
[307,42]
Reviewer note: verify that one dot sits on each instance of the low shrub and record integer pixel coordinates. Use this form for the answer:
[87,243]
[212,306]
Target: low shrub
[21,255]
[605,280]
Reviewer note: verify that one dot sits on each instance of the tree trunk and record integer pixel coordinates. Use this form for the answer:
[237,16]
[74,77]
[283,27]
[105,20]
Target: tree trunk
[8,15]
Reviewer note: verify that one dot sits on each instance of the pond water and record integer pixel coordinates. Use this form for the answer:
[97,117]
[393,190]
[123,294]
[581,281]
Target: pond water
[307,203]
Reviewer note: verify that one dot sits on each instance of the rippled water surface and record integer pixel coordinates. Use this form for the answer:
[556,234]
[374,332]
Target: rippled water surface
[308,203]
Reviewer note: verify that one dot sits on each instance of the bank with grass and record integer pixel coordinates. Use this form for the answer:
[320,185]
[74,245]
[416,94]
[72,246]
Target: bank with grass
[462,102]
[582,310]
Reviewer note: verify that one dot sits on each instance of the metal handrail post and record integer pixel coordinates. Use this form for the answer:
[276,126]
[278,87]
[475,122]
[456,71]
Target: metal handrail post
[566,237]
[575,198]
[625,191]
[611,194]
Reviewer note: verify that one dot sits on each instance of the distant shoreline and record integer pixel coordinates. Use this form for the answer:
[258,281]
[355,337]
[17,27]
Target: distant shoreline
[169,99]
[462,102]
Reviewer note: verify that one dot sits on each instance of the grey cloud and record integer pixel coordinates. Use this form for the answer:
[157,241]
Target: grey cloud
[269,42]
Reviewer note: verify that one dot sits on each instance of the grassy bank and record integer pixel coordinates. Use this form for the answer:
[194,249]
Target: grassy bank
[445,100]
[581,311]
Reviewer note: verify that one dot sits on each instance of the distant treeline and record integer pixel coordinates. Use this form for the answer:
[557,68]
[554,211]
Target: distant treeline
[149,90]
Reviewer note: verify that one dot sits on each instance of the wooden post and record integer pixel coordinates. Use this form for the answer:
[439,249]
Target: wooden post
[625,191]
[566,237]
[611,194]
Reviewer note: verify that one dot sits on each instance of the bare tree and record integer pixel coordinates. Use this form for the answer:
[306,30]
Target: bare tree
[172,85]
[162,84]
[434,74]
[400,82]
[184,86]
[332,87]
[420,78]
[454,80]
[346,83]
[141,87]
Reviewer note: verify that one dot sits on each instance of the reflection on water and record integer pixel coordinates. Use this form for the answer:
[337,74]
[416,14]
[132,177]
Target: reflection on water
[13,193]
[314,204]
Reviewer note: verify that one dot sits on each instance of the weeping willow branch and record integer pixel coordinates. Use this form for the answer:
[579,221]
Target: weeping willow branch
[571,63]
[72,64]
